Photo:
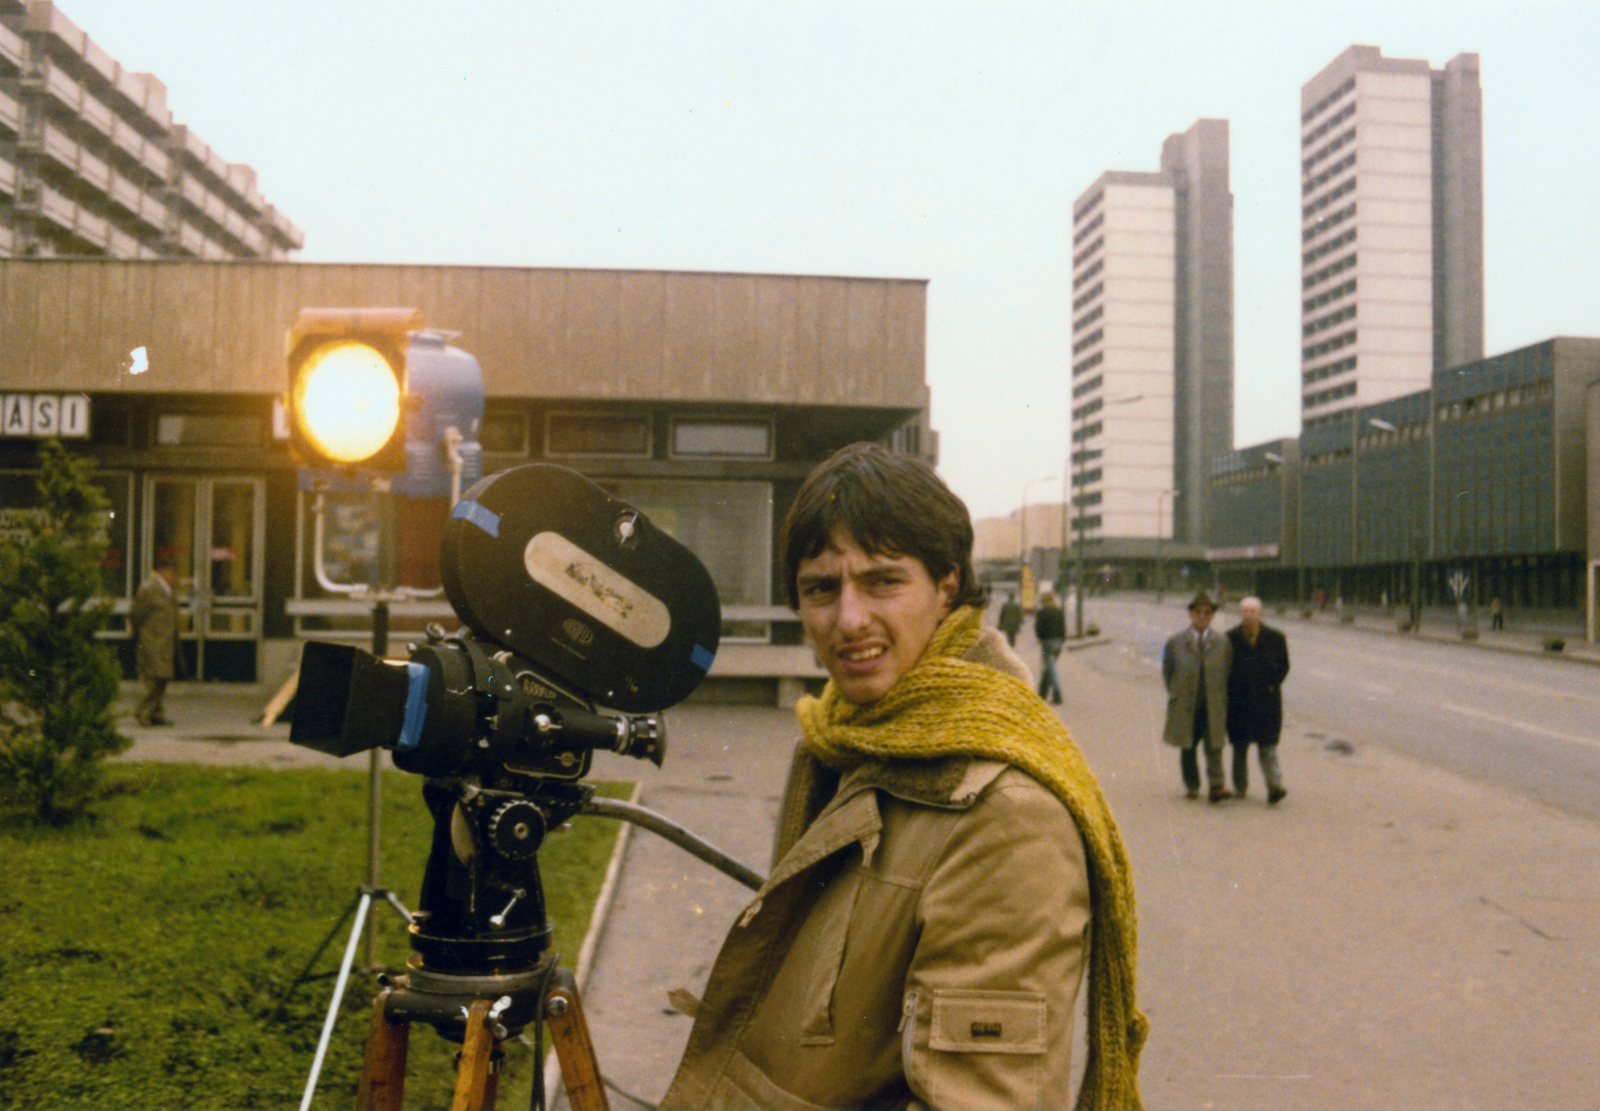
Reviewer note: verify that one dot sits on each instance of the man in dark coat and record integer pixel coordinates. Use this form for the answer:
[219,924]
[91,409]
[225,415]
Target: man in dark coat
[1255,698]
[153,621]
[1010,622]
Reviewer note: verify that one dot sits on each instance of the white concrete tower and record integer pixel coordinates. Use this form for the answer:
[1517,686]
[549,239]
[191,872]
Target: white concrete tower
[1391,230]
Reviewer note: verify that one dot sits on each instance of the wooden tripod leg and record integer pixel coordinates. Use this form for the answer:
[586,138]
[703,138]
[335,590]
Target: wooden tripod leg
[475,1084]
[569,1035]
[383,1069]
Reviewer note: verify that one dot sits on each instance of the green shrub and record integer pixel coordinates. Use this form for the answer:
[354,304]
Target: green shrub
[58,683]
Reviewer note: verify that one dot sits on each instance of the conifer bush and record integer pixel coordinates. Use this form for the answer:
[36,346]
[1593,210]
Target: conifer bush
[58,681]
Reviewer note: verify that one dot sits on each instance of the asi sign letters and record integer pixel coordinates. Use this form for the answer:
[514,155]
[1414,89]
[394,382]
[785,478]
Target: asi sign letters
[42,415]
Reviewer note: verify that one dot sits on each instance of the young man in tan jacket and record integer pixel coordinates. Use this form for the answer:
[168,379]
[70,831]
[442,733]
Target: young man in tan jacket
[942,850]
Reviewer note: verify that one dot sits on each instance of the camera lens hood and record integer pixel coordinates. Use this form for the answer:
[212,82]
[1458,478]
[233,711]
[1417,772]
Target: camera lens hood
[542,562]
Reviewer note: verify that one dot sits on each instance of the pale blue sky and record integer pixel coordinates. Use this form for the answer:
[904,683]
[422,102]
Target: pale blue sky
[929,140]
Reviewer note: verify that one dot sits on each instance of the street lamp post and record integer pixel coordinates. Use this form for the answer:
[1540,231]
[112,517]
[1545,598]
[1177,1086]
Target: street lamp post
[1022,532]
[1412,545]
[1161,565]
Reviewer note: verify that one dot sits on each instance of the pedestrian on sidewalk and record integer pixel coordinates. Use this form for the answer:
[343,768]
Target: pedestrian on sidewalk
[1050,627]
[153,623]
[1497,615]
[1195,666]
[1010,622]
[942,847]
[1255,698]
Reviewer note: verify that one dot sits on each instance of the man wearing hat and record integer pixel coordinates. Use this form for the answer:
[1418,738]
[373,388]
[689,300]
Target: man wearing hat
[1195,666]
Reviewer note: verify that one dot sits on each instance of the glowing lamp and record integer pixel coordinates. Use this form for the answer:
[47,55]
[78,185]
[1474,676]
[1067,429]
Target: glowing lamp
[346,401]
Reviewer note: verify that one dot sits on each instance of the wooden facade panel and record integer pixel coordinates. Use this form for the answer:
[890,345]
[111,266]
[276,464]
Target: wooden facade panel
[126,320]
[807,353]
[776,339]
[183,327]
[590,353]
[253,313]
[52,337]
[690,350]
[500,336]
[87,356]
[906,343]
[534,348]
[836,382]
[736,365]
[868,339]
[640,335]
[538,333]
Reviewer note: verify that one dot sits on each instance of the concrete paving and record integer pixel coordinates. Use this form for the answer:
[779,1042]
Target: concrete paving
[1390,935]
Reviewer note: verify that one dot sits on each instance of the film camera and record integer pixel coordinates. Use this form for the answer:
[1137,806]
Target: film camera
[582,620]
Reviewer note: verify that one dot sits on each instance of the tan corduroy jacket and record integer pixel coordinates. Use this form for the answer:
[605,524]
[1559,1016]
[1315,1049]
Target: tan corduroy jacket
[921,943]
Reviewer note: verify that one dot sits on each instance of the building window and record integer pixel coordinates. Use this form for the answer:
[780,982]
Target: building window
[1099,265]
[728,525]
[504,433]
[606,434]
[745,439]
[210,430]
[1088,364]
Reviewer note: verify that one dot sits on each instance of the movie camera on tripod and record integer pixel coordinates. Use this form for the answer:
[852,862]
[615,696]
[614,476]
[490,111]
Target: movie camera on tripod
[582,621]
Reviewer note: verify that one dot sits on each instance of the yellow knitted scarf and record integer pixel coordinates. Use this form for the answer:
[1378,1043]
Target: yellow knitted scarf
[949,706]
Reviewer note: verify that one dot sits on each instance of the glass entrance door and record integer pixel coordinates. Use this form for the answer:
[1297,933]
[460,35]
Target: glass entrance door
[212,529]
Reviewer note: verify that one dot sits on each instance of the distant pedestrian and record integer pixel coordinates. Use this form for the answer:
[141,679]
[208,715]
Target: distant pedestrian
[1195,666]
[153,623]
[1497,615]
[1050,627]
[1255,698]
[1010,622]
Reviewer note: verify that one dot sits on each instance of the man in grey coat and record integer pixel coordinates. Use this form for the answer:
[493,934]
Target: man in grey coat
[153,621]
[1195,666]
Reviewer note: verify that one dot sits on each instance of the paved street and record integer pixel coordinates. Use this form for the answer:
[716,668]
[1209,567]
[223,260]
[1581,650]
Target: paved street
[1393,934]
[1518,720]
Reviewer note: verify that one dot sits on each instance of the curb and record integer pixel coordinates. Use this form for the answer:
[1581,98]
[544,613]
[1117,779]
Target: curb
[1508,649]
[591,938]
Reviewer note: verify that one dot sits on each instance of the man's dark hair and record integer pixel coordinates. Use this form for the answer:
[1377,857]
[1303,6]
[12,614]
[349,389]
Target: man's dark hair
[891,505]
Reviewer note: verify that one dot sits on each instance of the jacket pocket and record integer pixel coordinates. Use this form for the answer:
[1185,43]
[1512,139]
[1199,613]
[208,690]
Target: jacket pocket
[832,919]
[972,1021]
[986,1048]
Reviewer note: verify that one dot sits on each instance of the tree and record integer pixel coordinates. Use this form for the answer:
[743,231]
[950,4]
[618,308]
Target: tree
[58,682]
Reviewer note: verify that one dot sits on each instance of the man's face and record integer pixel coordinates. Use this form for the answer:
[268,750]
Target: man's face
[168,573]
[1200,617]
[869,616]
[1250,616]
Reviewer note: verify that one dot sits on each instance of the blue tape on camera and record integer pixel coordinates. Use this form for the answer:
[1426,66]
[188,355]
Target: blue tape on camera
[416,707]
[701,658]
[478,514]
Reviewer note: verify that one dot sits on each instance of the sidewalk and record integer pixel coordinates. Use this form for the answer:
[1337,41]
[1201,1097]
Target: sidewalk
[1443,626]
[216,723]
[1390,935]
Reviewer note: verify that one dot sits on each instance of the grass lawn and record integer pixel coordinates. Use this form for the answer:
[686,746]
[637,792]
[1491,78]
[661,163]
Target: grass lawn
[148,960]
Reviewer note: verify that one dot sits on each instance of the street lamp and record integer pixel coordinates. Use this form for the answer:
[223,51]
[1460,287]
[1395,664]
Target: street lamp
[1080,453]
[1416,554]
[1161,566]
[1022,535]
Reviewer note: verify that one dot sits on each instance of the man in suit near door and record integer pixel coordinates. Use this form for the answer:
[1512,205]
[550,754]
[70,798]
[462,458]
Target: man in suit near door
[153,621]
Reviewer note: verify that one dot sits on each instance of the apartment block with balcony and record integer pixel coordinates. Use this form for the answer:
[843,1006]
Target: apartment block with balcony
[92,163]
[1391,229]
